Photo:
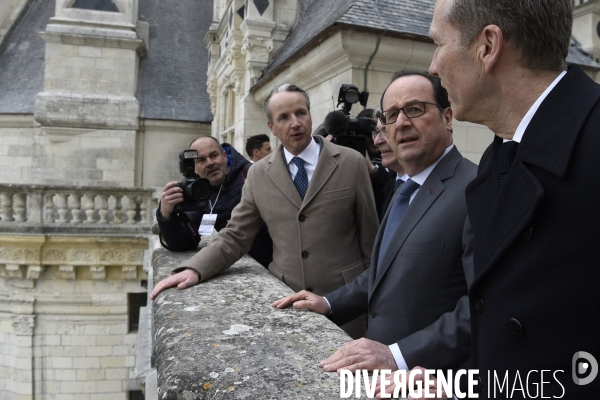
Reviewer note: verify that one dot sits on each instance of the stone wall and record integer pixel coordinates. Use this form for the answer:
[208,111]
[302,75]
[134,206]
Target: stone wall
[222,339]
[65,323]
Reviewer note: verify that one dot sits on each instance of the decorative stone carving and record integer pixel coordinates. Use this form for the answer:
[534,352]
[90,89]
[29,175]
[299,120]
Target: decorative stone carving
[23,324]
[14,271]
[80,256]
[34,271]
[56,255]
[66,272]
[112,256]
[98,272]
[135,256]
[130,272]
[32,256]
[232,58]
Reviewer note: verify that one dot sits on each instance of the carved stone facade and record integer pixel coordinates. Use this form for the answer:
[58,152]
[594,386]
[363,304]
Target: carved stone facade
[240,43]
[64,315]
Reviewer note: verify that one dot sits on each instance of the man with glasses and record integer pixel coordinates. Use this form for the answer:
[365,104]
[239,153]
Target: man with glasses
[415,292]
[389,161]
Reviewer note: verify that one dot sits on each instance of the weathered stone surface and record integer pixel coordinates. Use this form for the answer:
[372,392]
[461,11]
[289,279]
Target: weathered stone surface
[222,339]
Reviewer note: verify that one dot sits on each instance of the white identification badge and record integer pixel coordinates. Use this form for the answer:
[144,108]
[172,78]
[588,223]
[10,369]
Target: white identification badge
[207,224]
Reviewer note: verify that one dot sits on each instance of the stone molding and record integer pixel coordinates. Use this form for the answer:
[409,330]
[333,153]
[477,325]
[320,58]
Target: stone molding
[28,257]
[23,325]
[96,37]
[87,110]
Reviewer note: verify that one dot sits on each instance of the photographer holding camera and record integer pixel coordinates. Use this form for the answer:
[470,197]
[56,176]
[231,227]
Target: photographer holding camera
[226,170]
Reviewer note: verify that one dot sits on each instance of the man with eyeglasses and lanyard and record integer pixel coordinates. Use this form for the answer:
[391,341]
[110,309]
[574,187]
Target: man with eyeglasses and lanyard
[415,293]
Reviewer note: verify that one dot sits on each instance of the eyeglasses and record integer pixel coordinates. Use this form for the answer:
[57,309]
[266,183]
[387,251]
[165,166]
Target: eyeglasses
[411,110]
[380,133]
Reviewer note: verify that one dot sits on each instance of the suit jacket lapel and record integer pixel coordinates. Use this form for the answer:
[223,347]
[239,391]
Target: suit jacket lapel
[427,195]
[278,172]
[325,168]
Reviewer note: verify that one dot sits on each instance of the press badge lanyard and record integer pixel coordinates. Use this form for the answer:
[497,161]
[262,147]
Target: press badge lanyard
[208,220]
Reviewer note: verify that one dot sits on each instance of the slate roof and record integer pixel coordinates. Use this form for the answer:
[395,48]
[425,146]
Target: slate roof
[579,56]
[22,60]
[172,76]
[404,18]
[408,18]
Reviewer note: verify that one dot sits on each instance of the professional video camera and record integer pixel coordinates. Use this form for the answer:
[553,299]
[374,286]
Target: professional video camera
[196,190]
[346,131]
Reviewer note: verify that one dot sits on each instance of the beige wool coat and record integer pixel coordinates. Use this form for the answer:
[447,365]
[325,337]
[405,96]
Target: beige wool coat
[319,244]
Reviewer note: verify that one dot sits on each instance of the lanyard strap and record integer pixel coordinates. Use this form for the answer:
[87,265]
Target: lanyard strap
[212,206]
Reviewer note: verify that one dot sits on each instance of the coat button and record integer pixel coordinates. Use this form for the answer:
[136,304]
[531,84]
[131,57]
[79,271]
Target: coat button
[305,254]
[302,218]
[373,314]
[527,234]
[479,305]
[309,289]
[514,327]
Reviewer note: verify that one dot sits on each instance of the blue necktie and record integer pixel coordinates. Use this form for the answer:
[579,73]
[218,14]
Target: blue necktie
[396,213]
[301,179]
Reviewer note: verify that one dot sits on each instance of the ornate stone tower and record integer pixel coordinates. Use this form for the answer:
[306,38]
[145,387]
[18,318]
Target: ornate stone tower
[88,110]
[240,40]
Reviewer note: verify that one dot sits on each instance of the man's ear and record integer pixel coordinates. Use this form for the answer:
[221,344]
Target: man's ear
[447,117]
[255,153]
[270,125]
[490,44]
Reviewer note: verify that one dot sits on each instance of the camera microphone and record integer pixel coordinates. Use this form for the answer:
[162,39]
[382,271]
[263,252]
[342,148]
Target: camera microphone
[336,123]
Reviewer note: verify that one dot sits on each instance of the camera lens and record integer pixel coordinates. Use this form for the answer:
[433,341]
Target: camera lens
[199,189]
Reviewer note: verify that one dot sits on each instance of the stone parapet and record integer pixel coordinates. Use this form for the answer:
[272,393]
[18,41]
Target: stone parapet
[75,210]
[222,338]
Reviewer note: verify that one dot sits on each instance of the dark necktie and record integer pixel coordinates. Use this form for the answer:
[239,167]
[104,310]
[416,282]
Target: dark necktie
[399,207]
[301,179]
[397,184]
[506,156]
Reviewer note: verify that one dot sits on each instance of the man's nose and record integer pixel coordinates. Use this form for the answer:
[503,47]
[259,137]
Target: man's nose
[433,66]
[402,121]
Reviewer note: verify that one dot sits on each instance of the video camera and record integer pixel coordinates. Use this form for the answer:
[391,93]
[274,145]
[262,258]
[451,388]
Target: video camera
[196,190]
[346,131]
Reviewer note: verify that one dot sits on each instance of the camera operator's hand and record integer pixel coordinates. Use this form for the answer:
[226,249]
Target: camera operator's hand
[184,279]
[170,197]
[304,300]
[370,165]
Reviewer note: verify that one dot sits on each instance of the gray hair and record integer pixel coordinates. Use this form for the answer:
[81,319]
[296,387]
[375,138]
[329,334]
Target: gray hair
[286,87]
[540,29]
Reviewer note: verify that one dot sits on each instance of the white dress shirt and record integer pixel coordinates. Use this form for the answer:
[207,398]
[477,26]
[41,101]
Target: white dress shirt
[518,136]
[310,155]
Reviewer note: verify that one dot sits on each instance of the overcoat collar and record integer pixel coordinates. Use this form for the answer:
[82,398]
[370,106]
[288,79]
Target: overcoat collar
[498,217]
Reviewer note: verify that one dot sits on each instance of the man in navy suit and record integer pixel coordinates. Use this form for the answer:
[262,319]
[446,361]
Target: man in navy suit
[533,208]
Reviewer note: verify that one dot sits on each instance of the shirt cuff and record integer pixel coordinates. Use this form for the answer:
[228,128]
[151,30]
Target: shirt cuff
[400,362]
[330,310]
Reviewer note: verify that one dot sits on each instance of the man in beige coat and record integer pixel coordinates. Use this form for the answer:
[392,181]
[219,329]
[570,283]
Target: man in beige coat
[320,213]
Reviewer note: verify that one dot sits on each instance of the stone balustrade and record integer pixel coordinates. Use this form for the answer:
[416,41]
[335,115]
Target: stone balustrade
[75,209]
[222,339]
